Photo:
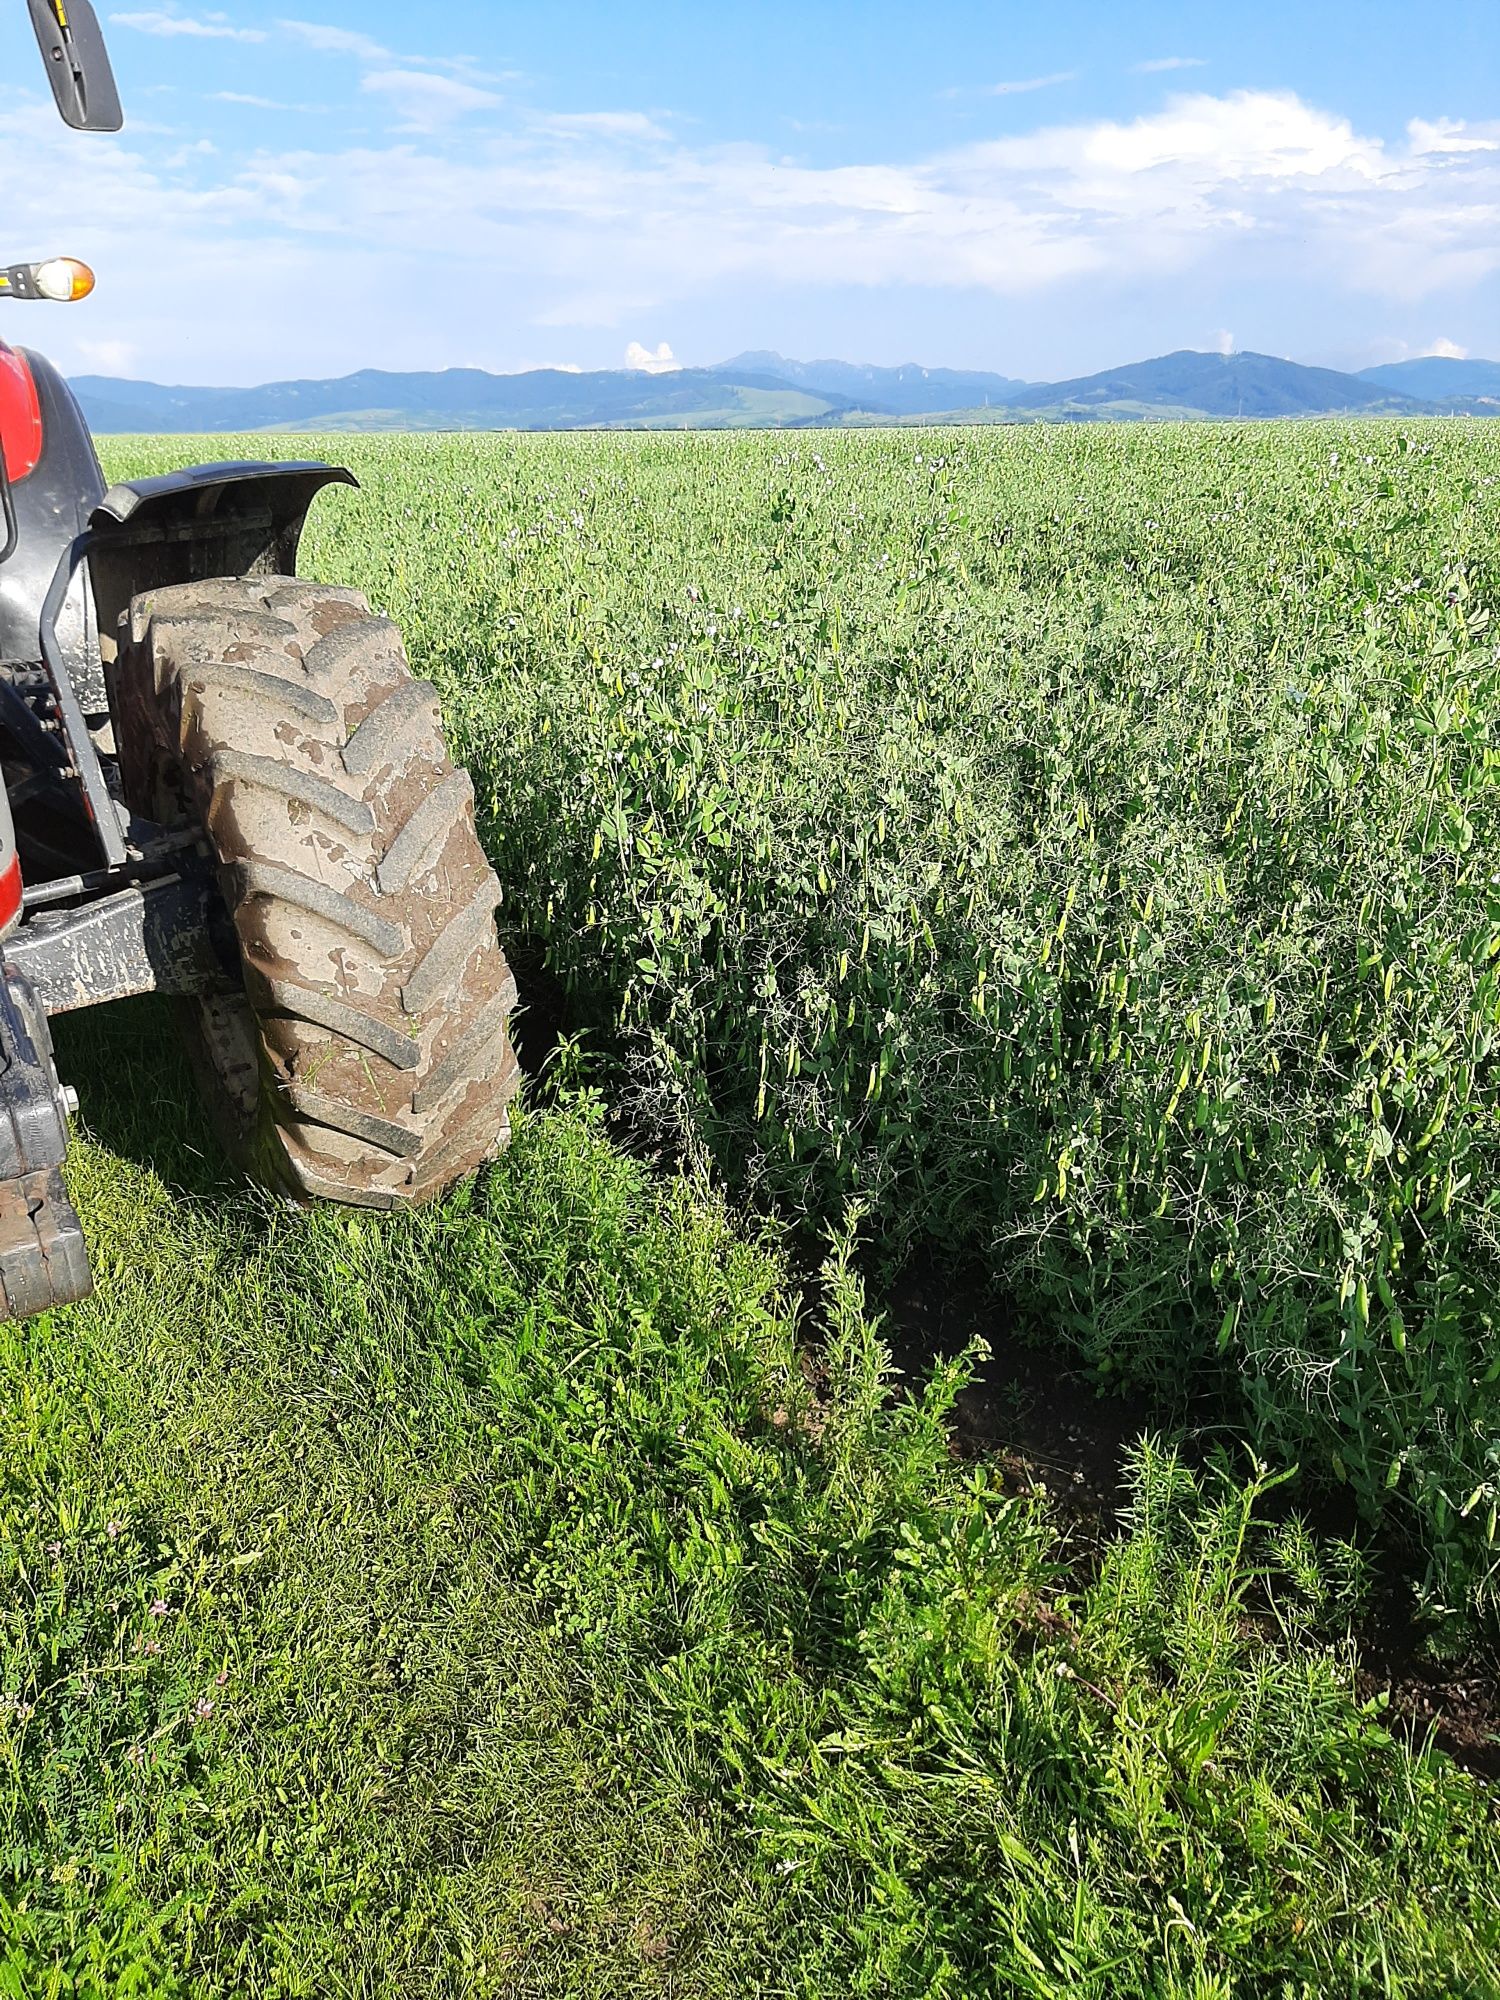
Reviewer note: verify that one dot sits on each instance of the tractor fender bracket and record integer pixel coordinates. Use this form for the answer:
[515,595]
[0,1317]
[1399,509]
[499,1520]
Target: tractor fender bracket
[164,936]
[242,518]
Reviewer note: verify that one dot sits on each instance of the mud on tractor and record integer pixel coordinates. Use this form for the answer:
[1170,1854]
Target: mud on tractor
[221,783]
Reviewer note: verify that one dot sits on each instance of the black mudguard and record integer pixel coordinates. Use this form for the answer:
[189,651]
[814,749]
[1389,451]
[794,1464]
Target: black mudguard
[239,519]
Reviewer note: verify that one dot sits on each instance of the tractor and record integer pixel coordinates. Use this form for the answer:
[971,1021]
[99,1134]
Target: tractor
[222,783]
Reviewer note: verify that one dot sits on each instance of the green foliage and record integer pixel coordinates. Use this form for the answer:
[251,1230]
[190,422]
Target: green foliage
[1078,846]
[491,1601]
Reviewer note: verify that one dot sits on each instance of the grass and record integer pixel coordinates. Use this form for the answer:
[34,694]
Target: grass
[491,1601]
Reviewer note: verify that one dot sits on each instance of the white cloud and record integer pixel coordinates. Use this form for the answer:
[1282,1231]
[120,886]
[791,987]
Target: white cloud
[1251,171]
[336,41]
[1157,64]
[606,124]
[1448,350]
[1028,83]
[562,224]
[258,103]
[662,362]
[426,100]
[651,219]
[1452,135]
[1198,141]
[214,27]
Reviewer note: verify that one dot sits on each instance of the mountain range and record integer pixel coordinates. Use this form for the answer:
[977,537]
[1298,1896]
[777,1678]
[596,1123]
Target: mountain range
[907,391]
[764,389]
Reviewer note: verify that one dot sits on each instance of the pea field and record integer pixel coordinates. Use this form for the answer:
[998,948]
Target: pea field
[1067,856]
[1079,849]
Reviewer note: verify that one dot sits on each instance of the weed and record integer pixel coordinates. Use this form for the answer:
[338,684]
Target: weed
[493,1605]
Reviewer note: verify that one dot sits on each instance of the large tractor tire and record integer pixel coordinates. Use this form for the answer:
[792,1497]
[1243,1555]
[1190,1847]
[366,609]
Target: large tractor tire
[368,1059]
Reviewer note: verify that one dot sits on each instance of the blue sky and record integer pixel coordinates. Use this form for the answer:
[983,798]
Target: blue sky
[306,189]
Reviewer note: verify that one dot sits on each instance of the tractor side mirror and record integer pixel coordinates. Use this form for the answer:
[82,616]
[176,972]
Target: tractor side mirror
[77,63]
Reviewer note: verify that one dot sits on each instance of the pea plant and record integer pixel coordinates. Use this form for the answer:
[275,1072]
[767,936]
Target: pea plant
[1076,845]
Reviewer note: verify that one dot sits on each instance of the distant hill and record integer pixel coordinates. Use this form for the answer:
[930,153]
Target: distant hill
[907,391]
[767,391]
[1189,384]
[1438,379]
[461,399]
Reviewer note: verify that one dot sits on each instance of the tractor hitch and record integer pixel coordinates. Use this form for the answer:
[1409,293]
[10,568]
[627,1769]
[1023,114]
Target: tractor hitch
[43,1259]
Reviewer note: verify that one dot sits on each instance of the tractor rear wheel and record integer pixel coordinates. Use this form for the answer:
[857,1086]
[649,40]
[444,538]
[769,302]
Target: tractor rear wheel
[368,1059]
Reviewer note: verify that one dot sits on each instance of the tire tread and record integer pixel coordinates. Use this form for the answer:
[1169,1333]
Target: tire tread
[386,1066]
